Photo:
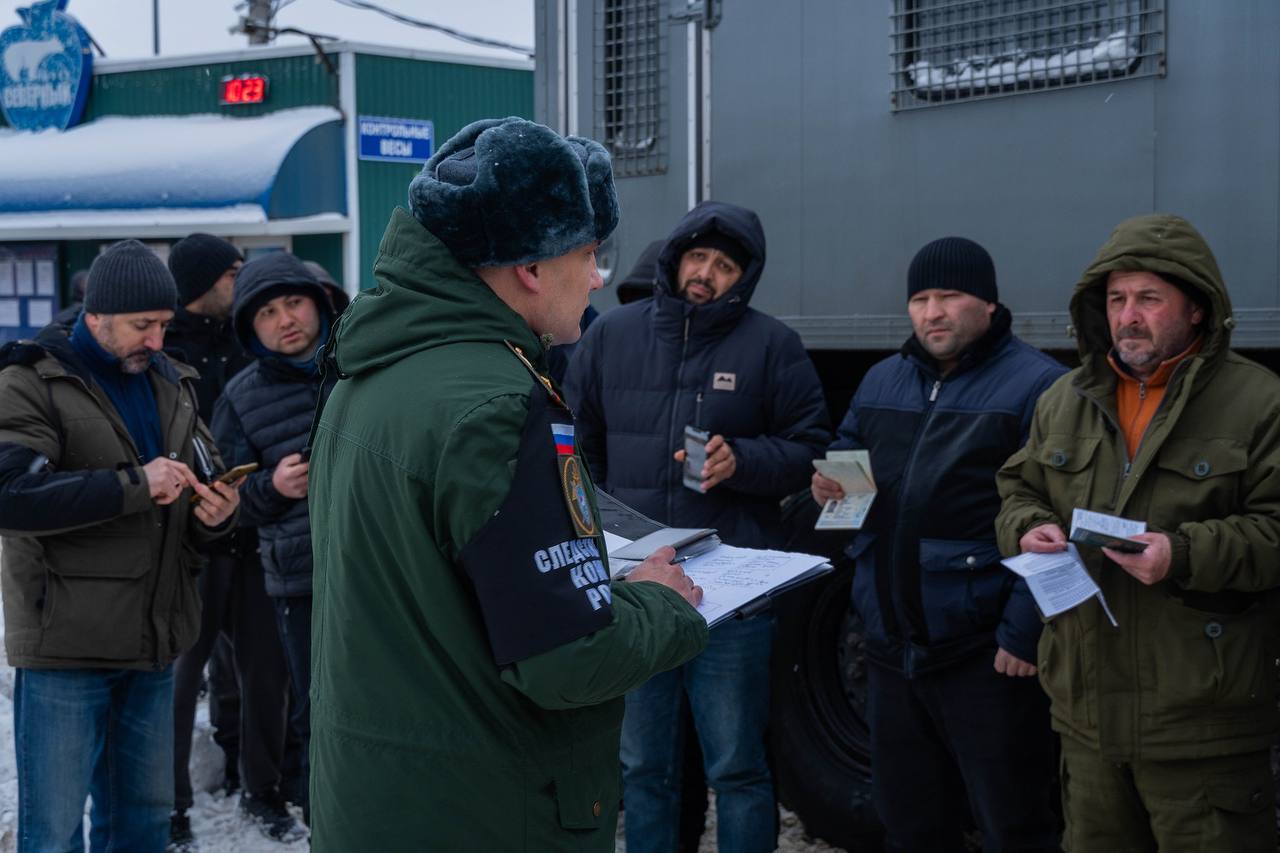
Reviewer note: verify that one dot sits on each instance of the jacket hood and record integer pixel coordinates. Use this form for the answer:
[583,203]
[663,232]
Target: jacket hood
[424,298]
[276,271]
[736,222]
[1159,243]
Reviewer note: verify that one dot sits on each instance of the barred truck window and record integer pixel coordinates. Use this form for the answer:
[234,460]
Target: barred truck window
[946,51]
[630,114]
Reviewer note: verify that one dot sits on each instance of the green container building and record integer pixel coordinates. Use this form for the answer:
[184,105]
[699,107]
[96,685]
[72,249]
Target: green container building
[272,148]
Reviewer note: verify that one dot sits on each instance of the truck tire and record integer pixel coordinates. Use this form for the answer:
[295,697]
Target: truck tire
[818,729]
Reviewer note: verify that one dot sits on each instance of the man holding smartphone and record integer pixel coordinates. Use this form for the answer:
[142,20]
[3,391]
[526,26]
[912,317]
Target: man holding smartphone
[98,436]
[1166,718]
[281,314]
[699,411]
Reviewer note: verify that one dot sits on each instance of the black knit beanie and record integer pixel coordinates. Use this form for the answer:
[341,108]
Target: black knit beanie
[953,263]
[128,278]
[714,239]
[197,262]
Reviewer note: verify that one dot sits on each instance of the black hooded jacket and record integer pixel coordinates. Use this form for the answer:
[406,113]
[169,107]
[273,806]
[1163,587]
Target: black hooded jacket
[646,370]
[263,415]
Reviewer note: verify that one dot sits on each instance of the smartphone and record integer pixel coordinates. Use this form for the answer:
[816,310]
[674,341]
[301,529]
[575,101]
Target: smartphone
[695,456]
[1084,536]
[237,472]
[231,476]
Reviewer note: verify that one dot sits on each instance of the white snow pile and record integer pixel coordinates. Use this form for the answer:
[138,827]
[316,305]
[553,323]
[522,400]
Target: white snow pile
[152,161]
[1113,53]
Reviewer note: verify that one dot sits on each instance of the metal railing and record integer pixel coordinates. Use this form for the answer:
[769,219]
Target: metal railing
[947,51]
[630,91]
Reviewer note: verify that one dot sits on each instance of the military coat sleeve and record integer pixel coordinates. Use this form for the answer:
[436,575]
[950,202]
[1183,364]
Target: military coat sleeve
[560,631]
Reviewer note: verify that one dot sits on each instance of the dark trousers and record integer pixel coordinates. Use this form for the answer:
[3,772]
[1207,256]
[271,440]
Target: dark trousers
[293,619]
[234,602]
[962,735]
[224,704]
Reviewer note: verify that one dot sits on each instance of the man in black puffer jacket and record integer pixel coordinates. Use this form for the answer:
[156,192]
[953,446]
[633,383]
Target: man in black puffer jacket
[282,316]
[696,355]
[238,638]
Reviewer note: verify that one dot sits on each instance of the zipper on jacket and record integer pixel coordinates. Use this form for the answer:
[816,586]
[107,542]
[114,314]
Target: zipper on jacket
[1142,395]
[903,625]
[697,411]
[675,408]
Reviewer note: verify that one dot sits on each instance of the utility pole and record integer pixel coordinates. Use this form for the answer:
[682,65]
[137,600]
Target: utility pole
[155,27]
[260,18]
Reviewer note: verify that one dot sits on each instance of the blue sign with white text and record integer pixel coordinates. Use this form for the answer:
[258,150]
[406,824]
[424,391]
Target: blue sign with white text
[45,68]
[396,140]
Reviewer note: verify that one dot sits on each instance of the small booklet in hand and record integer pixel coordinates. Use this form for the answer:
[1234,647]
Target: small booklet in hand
[852,470]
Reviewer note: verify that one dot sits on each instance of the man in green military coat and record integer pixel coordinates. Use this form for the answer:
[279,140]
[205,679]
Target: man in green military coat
[469,650]
[1167,717]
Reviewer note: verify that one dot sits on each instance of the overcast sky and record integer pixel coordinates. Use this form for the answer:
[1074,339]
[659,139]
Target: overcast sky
[123,27]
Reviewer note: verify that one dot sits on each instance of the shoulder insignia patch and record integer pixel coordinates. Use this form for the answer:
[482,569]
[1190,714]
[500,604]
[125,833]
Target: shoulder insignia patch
[575,494]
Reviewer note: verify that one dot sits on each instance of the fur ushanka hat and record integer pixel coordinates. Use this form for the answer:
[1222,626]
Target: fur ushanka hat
[508,191]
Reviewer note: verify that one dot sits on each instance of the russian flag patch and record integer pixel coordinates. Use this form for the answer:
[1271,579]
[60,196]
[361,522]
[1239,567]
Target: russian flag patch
[563,435]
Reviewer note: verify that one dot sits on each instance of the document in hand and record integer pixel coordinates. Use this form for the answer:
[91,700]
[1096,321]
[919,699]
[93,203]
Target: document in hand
[1099,530]
[733,580]
[1058,581]
[852,470]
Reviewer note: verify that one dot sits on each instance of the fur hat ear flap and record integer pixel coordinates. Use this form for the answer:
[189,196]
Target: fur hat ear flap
[604,200]
[509,191]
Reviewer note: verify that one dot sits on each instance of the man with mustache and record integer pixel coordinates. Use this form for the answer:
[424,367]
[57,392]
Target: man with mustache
[98,435]
[1166,717]
[950,634]
[696,355]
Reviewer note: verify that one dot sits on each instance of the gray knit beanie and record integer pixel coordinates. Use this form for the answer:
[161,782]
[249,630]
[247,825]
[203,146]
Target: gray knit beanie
[129,278]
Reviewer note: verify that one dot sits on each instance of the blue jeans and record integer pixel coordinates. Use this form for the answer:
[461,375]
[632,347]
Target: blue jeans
[728,690]
[101,731]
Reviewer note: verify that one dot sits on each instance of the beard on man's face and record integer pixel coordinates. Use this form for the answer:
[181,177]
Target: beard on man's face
[136,361]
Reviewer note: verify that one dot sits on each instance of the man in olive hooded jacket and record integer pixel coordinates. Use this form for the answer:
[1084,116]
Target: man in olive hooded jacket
[1166,717]
[469,652]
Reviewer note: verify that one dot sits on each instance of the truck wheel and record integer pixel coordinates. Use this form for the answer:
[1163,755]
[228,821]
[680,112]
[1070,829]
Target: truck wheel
[818,729]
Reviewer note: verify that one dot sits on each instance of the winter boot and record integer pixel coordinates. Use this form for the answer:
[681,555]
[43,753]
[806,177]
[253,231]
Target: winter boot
[270,812]
[180,838]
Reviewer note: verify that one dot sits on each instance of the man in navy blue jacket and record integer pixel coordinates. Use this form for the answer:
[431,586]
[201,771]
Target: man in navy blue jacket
[696,355]
[951,634]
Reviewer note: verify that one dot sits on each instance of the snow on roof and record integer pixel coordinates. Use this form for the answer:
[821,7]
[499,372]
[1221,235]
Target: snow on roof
[119,162]
[242,220]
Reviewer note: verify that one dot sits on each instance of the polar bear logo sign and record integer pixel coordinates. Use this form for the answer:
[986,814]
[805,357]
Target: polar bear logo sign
[22,59]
